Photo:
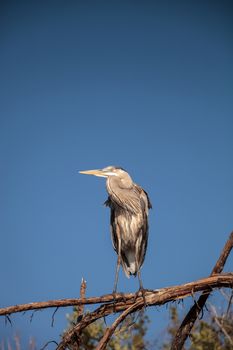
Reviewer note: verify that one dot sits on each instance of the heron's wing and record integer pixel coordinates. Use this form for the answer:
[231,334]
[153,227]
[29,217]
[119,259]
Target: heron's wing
[129,199]
[107,203]
[141,245]
[143,230]
[148,199]
[144,199]
[113,224]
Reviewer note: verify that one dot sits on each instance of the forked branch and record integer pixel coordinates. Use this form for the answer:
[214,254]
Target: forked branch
[129,303]
[134,303]
[189,320]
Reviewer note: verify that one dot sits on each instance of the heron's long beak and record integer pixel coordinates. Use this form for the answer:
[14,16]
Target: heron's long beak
[96,172]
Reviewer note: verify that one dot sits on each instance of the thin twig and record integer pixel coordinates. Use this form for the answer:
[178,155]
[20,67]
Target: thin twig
[49,342]
[222,328]
[7,318]
[53,316]
[229,303]
[32,315]
[80,308]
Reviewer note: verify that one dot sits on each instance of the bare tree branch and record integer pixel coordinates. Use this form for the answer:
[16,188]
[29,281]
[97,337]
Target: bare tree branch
[122,301]
[131,302]
[109,331]
[134,302]
[61,303]
[189,320]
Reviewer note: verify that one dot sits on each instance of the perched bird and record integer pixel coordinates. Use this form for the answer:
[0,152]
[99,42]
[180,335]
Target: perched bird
[129,205]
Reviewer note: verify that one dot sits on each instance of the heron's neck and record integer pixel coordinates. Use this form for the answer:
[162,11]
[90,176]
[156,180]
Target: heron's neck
[120,183]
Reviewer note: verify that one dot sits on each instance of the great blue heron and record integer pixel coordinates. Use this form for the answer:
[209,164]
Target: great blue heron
[129,205]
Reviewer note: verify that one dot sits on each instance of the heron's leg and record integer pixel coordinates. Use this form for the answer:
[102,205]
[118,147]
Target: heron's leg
[118,259]
[140,280]
[117,268]
[117,274]
[141,289]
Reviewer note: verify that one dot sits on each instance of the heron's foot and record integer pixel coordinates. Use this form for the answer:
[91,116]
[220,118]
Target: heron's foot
[115,294]
[114,301]
[139,293]
[144,296]
[123,297]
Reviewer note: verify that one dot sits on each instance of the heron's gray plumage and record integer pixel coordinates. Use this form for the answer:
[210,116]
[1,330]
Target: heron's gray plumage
[129,205]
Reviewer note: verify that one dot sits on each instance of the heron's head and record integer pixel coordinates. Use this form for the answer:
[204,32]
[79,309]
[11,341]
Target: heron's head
[105,172]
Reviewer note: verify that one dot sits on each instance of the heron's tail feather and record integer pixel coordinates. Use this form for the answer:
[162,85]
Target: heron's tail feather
[129,264]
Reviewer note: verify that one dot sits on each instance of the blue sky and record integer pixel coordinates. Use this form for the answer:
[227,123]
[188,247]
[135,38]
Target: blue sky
[86,84]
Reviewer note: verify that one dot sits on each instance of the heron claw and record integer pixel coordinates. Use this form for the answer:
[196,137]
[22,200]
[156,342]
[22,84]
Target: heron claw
[114,301]
[123,297]
[141,291]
